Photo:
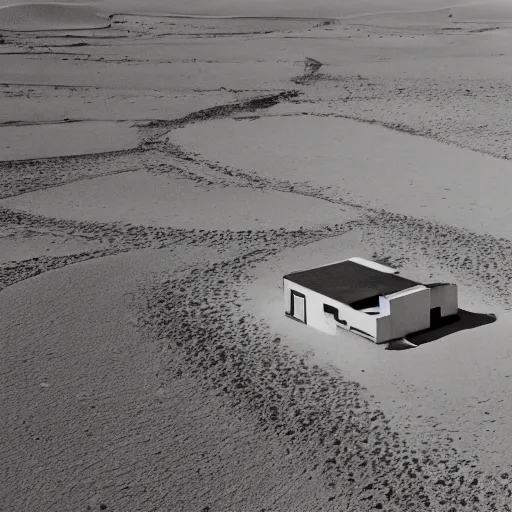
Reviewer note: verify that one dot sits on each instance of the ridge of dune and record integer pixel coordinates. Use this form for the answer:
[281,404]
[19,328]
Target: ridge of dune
[464,10]
[46,16]
[25,15]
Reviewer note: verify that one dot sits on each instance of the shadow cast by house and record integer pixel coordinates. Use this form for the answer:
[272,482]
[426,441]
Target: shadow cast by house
[443,327]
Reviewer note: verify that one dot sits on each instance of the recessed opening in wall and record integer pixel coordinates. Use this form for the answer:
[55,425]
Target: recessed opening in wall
[298,307]
[370,305]
[435,316]
[331,310]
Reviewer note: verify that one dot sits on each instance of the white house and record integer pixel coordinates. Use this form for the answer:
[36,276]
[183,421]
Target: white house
[366,298]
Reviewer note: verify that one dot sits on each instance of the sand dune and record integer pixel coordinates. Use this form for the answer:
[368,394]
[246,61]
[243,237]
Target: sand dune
[142,198]
[491,10]
[147,363]
[461,10]
[305,8]
[31,244]
[21,142]
[55,16]
[449,395]
[97,402]
[417,177]
[47,15]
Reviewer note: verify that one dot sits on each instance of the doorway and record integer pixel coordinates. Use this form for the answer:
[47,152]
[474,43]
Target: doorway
[298,306]
[435,316]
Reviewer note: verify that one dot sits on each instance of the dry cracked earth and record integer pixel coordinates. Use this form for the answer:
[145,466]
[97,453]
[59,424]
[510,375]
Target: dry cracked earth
[230,418]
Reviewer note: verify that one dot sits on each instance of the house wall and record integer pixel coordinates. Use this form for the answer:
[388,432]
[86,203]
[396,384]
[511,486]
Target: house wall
[445,297]
[405,312]
[409,311]
[319,320]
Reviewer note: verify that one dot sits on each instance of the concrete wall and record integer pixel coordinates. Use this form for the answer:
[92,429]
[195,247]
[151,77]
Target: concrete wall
[445,297]
[409,311]
[319,320]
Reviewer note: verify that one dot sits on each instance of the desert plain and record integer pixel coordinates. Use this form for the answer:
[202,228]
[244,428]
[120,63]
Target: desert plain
[162,166]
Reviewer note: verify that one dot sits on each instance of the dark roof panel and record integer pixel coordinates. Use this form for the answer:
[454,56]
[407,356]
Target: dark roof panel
[349,282]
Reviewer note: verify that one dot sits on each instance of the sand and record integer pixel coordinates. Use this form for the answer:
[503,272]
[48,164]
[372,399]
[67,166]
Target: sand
[49,16]
[414,176]
[64,139]
[422,381]
[142,199]
[159,175]
[27,15]
[480,10]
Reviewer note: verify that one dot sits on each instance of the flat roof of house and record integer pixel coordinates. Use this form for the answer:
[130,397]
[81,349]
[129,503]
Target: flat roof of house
[349,282]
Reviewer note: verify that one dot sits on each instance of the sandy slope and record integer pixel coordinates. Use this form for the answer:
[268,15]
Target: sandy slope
[146,363]
[413,176]
[483,9]
[103,407]
[23,244]
[453,402]
[64,139]
[139,198]
[50,16]
[86,394]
